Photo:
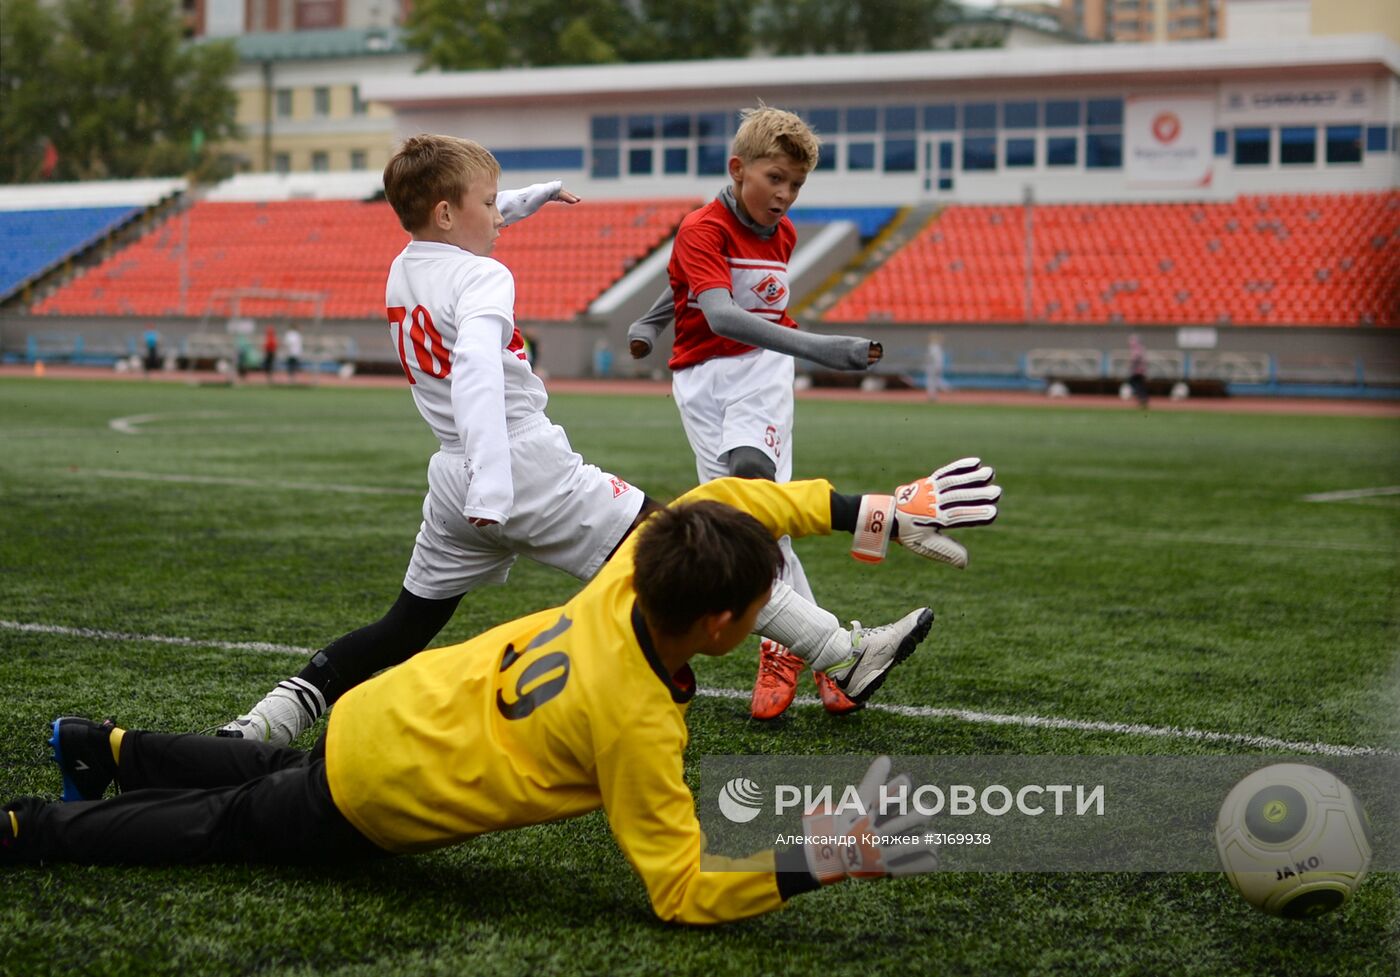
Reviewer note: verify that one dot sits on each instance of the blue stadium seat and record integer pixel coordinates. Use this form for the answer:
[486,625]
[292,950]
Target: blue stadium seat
[32,241]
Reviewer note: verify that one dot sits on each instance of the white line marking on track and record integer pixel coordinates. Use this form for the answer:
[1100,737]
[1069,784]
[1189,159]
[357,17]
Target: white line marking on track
[1346,495]
[911,712]
[257,483]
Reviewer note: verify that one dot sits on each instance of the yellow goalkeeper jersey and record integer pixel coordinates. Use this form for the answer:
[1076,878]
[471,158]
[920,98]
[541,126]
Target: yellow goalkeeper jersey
[551,716]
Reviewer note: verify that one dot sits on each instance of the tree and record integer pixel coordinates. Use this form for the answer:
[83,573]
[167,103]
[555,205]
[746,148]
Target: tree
[112,87]
[830,26]
[692,30]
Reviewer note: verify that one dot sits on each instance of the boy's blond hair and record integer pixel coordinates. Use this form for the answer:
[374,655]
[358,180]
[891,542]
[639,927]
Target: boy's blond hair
[766,132]
[429,168]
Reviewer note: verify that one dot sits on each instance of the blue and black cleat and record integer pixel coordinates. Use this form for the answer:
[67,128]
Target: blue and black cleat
[82,750]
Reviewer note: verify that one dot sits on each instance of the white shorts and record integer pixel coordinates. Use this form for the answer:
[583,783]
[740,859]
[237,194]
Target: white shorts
[566,514]
[733,402]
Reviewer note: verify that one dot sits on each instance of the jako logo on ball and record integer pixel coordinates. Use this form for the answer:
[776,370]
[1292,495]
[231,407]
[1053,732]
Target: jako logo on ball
[740,800]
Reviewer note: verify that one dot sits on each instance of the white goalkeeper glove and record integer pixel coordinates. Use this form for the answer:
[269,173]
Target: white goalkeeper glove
[855,845]
[959,494]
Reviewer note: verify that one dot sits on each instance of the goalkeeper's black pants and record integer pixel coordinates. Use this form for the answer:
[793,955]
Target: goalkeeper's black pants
[188,798]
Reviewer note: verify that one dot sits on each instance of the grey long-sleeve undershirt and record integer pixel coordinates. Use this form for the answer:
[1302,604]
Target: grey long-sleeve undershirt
[726,319]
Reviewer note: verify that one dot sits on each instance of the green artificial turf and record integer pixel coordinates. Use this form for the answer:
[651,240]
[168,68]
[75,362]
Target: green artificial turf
[1156,568]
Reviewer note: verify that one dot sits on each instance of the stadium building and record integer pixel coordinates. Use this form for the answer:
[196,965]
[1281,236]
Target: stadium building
[1233,201]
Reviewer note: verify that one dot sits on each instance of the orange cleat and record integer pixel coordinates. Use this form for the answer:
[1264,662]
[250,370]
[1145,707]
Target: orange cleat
[776,685]
[834,700]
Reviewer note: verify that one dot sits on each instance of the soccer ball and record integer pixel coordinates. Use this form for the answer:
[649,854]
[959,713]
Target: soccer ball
[1293,840]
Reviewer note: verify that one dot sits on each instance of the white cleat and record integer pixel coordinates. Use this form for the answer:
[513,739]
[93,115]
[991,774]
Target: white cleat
[284,714]
[876,651]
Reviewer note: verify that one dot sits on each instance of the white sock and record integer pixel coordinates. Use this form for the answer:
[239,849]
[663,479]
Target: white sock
[810,632]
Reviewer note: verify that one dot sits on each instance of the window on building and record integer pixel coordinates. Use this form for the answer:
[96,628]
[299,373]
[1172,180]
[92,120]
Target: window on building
[1020,115]
[359,159]
[675,126]
[1376,139]
[979,153]
[860,156]
[901,118]
[284,103]
[1103,150]
[639,161]
[606,128]
[1252,147]
[979,115]
[605,163]
[1062,151]
[825,121]
[712,159]
[1020,152]
[1343,144]
[863,119]
[321,100]
[358,106]
[1222,142]
[641,127]
[1297,145]
[940,118]
[675,160]
[901,155]
[282,163]
[1104,112]
[320,161]
[1062,115]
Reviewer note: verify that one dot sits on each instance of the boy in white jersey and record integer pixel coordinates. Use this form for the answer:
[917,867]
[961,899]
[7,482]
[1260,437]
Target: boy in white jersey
[732,358]
[505,480]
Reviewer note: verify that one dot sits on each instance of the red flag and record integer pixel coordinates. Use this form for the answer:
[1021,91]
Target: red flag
[50,159]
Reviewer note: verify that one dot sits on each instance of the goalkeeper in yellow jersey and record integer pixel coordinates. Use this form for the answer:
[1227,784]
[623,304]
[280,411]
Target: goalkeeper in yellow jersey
[547,717]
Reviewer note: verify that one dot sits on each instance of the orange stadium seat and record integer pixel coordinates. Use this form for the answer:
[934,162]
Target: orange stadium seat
[1304,259]
[563,258]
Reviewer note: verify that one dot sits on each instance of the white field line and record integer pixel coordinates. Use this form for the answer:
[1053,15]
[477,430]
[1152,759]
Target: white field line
[132,423]
[911,712]
[258,483]
[1347,495]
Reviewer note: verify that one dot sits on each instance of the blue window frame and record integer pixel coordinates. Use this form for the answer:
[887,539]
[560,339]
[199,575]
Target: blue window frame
[824,120]
[712,159]
[1062,151]
[1060,114]
[606,128]
[945,183]
[860,156]
[641,127]
[1222,142]
[1376,139]
[1020,152]
[675,126]
[554,158]
[901,155]
[1343,144]
[979,153]
[901,118]
[1103,150]
[639,162]
[1020,115]
[945,156]
[1104,112]
[676,160]
[979,115]
[827,160]
[863,119]
[1252,146]
[940,118]
[605,162]
[1297,145]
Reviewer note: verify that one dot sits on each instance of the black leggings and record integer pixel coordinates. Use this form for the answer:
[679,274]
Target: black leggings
[188,799]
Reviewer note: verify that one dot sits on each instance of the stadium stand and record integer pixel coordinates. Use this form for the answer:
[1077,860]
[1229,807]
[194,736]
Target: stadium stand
[198,262]
[1282,260]
[42,226]
[869,221]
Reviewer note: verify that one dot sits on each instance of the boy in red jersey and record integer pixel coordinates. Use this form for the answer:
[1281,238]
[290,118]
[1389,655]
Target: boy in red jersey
[732,359]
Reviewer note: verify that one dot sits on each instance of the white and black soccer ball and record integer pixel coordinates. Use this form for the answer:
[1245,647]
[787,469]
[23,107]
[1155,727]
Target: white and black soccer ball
[1293,840]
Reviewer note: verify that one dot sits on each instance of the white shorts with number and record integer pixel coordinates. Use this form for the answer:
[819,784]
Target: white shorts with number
[733,402]
[567,514]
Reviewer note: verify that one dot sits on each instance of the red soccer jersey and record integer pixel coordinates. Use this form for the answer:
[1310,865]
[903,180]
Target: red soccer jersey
[713,250]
